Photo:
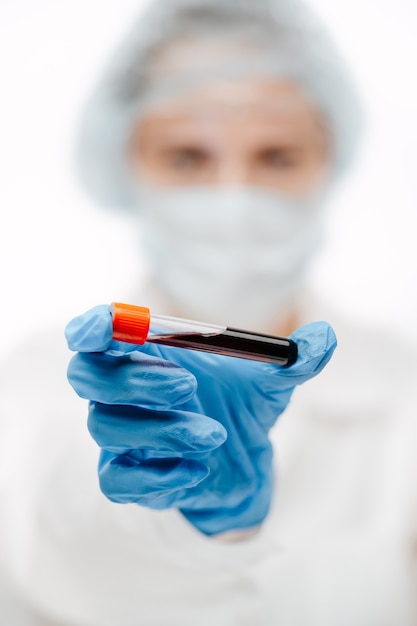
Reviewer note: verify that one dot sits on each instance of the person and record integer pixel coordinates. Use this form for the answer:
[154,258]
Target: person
[230,497]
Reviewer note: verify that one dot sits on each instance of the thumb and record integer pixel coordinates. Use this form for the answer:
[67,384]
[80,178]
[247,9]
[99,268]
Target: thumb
[316,343]
[271,386]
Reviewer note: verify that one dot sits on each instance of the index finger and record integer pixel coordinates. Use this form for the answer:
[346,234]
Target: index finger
[92,331]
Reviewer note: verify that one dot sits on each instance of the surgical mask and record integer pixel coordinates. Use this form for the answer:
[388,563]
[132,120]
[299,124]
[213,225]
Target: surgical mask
[232,256]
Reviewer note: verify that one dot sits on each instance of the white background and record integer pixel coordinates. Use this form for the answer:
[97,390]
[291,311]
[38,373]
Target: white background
[59,254]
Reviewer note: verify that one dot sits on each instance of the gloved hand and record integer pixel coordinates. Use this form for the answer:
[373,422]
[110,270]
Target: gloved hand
[179,428]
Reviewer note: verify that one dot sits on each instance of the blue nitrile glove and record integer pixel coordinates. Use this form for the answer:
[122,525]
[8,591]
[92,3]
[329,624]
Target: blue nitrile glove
[179,428]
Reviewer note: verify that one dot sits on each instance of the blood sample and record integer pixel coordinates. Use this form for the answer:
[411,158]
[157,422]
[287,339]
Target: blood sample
[136,324]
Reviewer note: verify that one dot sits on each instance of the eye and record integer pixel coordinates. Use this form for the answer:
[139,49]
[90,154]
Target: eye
[187,158]
[279,157]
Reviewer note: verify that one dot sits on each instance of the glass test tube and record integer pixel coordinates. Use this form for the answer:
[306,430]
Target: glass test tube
[136,324]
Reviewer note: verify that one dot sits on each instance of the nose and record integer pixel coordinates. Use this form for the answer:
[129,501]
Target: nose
[232,171]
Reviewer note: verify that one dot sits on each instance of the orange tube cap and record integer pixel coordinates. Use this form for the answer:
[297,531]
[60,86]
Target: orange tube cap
[130,323]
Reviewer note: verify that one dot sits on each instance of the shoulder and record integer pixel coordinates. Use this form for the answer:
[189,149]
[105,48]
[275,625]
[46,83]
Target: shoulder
[371,371]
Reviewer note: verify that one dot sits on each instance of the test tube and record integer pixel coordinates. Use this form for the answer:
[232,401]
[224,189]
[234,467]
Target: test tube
[135,324]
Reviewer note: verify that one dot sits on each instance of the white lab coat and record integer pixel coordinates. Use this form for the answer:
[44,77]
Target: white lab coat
[338,548]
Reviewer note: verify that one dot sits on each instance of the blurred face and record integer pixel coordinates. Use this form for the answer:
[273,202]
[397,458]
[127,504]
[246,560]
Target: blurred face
[258,132]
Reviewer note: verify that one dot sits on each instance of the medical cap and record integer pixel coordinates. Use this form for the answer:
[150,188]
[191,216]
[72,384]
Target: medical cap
[295,46]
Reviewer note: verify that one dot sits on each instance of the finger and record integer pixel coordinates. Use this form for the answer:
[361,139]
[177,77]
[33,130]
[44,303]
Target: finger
[154,482]
[316,343]
[134,378]
[119,429]
[90,332]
